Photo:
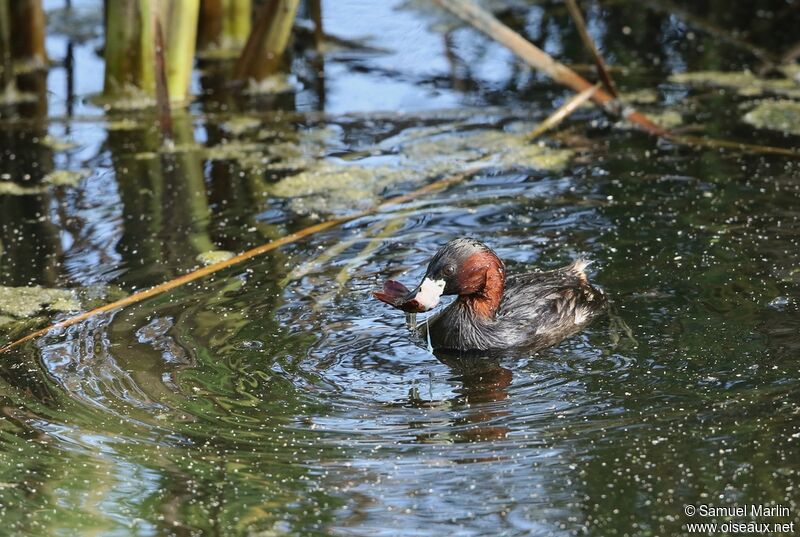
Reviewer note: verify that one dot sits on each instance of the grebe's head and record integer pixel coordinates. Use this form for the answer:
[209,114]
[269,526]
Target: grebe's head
[462,267]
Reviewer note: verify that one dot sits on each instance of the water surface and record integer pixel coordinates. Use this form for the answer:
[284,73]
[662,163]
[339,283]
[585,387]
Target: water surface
[278,398]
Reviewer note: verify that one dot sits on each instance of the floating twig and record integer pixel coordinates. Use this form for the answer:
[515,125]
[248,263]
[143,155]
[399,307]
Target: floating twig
[484,21]
[554,119]
[602,70]
[440,184]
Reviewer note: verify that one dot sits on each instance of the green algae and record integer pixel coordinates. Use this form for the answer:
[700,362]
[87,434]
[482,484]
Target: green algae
[238,125]
[24,302]
[123,125]
[14,189]
[325,186]
[54,178]
[235,150]
[744,82]
[65,177]
[666,119]
[57,144]
[127,98]
[274,84]
[214,256]
[642,96]
[449,153]
[778,115]
[11,95]
[331,187]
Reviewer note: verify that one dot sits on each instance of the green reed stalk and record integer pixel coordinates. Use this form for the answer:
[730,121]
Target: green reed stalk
[130,49]
[264,50]
[179,20]
[224,27]
[131,66]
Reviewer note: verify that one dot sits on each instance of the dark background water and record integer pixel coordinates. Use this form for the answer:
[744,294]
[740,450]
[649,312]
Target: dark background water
[278,398]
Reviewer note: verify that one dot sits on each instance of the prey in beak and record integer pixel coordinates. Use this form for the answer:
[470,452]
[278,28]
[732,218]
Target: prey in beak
[424,298]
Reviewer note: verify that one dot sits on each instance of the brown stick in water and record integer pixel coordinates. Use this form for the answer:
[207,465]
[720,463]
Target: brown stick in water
[539,59]
[602,70]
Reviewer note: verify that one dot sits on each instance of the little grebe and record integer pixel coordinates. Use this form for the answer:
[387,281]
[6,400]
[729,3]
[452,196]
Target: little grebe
[533,310]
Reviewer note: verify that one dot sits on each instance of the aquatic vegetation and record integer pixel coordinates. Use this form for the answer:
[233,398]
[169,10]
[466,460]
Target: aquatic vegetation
[23,302]
[238,125]
[272,84]
[640,96]
[263,52]
[668,119]
[14,189]
[330,187]
[778,115]
[57,144]
[744,82]
[214,256]
[65,177]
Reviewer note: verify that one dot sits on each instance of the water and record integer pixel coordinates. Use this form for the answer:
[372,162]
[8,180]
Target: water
[278,398]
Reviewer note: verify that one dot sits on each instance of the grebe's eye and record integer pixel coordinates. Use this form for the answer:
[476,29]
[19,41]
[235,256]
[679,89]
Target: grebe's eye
[449,270]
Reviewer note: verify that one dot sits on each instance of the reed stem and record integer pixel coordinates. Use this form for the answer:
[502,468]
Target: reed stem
[264,50]
[224,27]
[484,21]
[133,55]
[28,25]
[179,19]
[130,49]
[7,82]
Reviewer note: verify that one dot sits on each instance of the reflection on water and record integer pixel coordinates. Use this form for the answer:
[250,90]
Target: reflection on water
[278,398]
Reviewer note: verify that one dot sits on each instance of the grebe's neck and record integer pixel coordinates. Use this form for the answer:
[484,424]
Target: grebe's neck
[485,300]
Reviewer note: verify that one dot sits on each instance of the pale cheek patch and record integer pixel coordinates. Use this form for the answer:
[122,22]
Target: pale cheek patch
[429,293]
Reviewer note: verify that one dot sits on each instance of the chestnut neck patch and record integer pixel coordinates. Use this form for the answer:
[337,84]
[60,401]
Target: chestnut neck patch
[481,282]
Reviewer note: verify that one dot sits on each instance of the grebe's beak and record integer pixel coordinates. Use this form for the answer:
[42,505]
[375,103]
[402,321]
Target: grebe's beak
[425,297]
